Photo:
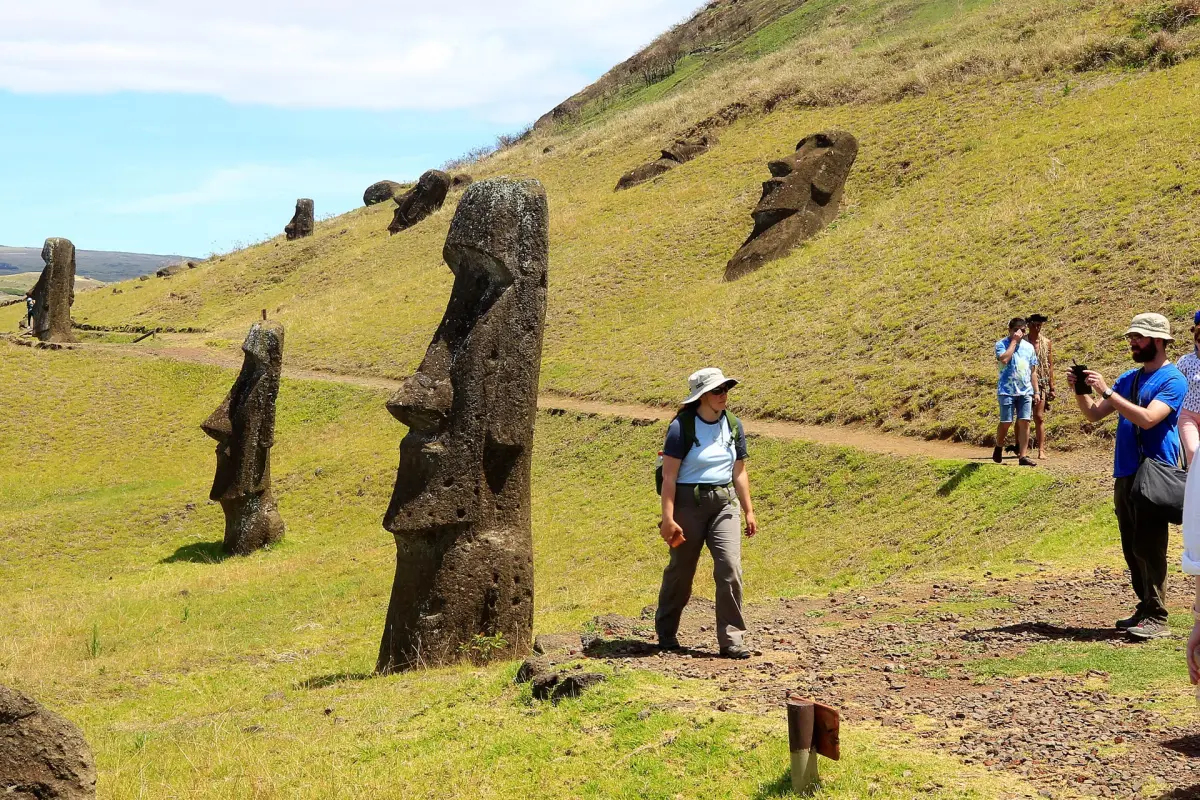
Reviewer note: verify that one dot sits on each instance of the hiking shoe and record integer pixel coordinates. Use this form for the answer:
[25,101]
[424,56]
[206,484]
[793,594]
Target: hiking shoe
[1026,461]
[998,455]
[1149,629]
[670,646]
[735,651]
[1129,622]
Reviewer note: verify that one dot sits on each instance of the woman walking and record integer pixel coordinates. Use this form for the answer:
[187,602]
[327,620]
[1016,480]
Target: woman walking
[704,482]
[1189,415]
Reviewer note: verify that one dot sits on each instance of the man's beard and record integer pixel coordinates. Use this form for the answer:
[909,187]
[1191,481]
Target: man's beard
[1143,355]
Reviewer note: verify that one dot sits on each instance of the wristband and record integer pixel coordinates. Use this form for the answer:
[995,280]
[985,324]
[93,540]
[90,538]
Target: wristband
[1108,394]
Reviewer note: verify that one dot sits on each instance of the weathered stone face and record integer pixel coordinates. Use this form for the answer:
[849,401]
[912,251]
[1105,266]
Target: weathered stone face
[803,196]
[54,292]
[420,201]
[302,221]
[682,151]
[461,181]
[42,755]
[244,427]
[460,510]
[380,192]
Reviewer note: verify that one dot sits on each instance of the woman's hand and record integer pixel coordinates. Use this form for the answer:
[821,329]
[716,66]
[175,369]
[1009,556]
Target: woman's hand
[1193,653]
[751,524]
[669,529]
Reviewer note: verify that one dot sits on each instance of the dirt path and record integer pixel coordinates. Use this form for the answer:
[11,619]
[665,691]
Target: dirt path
[1094,462]
[916,659]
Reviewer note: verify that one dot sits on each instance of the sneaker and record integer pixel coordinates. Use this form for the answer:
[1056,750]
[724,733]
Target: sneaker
[1129,622]
[1149,629]
[735,651]
[670,646]
[1026,461]
[998,455]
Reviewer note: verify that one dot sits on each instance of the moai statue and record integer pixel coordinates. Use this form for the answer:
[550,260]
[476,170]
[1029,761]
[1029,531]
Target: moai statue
[802,197]
[420,201]
[460,510]
[302,221]
[54,293]
[244,427]
[681,152]
[380,192]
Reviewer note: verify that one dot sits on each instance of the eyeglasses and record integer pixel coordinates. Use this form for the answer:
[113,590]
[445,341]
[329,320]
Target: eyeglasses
[719,391]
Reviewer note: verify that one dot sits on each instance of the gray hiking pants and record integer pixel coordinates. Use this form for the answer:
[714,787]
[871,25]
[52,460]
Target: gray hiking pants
[716,521]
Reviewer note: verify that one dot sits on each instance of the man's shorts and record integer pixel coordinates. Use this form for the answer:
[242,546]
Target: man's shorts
[1018,405]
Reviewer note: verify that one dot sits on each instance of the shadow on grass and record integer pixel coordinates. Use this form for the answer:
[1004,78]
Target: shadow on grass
[1057,633]
[780,787]
[325,681]
[1188,793]
[197,553]
[1185,745]
[964,472]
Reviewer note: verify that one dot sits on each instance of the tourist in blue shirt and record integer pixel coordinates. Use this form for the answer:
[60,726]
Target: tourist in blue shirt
[1015,389]
[1146,429]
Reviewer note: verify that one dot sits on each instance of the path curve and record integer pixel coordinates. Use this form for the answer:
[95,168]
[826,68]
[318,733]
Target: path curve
[1091,461]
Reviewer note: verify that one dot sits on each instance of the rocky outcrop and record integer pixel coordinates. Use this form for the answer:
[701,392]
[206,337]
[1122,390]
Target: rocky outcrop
[682,151]
[54,293]
[42,755]
[302,221]
[381,192]
[244,428]
[460,511]
[420,201]
[803,195]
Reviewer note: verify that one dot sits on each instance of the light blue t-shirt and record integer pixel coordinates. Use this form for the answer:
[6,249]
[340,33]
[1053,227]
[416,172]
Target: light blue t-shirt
[1016,377]
[711,457]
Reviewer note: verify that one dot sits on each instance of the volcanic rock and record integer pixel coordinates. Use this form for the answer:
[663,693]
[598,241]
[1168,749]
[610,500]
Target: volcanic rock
[54,293]
[460,511]
[302,221]
[803,195]
[42,755]
[461,181]
[381,192]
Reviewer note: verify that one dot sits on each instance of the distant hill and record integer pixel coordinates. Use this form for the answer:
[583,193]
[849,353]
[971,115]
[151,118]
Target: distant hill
[101,265]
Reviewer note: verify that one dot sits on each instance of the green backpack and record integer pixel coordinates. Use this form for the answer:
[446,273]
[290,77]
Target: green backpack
[687,429]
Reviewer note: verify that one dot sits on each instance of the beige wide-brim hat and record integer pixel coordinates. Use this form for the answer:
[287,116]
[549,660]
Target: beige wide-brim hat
[705,380]
[1152,326]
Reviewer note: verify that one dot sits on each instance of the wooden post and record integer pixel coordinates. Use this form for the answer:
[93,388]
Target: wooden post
[264,315]
[812,731]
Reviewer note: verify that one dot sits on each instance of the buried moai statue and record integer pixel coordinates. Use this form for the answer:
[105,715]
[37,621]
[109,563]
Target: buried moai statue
[244,427]
[681,152]
[803,195]
[54,292]
[460,510]
[420,201]
[302,221]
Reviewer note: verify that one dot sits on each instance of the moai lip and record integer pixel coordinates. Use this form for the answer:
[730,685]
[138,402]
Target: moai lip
[244,428]
[54,293]
[460,511]
[803,195]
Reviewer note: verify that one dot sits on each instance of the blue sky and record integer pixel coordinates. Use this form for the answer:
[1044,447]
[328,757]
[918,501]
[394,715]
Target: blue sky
[133,125]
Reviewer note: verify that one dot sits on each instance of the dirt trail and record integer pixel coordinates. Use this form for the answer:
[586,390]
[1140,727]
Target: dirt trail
[1093,462]
[915,658]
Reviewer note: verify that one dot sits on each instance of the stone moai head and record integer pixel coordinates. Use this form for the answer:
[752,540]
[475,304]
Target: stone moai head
[244,428]
[420,201]
[460,510]
[302,221]
[54,293]
[803,195]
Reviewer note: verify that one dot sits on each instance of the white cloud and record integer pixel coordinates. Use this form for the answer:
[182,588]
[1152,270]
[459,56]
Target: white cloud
[482,55]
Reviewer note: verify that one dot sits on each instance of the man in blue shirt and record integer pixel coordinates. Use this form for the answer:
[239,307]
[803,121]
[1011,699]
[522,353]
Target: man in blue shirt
[1146,429]
[1015,389]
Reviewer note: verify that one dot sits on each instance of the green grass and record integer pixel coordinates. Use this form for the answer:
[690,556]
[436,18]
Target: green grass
[194,676]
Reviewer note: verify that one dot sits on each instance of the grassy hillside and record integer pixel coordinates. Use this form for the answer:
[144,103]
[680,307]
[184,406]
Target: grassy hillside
[195,677]
[994,178]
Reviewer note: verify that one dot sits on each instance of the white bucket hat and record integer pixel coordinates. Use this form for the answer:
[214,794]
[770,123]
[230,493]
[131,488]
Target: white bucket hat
[705,380]
[1152,326]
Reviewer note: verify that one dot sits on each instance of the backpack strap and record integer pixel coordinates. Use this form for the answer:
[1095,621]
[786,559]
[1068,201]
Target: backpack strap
[1136,398]
[735,427]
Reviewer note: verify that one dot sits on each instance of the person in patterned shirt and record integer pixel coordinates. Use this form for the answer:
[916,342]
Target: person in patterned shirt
[1189,415]
[1045,382]
[1015,389]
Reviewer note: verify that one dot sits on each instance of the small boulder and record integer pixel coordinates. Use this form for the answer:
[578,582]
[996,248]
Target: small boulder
[381,192]
[531,668]
[167,272]
[42,755]
[543,685]
[575,684]
[552,644]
